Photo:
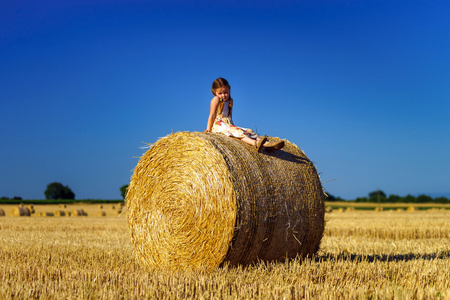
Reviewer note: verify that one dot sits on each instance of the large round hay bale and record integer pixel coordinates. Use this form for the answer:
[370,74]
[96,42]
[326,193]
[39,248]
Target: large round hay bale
[2,212]
[197,200]
[20,211]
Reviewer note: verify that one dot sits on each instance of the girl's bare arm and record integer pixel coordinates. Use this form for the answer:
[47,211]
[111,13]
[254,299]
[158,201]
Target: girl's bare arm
[212,113]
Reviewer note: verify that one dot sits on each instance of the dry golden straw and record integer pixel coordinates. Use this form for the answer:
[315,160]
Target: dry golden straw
[197,200]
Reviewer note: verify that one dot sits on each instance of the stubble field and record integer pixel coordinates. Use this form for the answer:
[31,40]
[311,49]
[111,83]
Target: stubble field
[365,254]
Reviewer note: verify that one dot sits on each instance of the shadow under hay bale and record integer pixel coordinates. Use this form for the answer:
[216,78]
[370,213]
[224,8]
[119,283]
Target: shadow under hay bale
[197,200]
[20,211]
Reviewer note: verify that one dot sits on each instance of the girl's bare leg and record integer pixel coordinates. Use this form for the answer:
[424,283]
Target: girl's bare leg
[249,140]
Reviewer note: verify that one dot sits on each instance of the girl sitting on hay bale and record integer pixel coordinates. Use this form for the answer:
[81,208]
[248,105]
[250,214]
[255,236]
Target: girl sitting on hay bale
[220,119]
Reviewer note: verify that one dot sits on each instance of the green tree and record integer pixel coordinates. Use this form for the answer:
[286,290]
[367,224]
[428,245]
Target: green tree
[394,198]
[377,195]
[409,199]
[123,190]
[441,200]
[56,190]
[362,199]
[330,198]
[424,199]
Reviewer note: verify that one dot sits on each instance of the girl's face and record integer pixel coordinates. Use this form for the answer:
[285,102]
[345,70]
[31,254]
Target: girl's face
[223,93]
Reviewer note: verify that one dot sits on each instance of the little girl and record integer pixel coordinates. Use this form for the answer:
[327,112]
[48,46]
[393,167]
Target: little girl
[220,119]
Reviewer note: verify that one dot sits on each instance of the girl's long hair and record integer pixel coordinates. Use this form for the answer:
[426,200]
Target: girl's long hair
[217,84]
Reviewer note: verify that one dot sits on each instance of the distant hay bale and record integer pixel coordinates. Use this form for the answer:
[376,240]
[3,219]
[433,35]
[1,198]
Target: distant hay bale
[197,200]
[45,214]
[62,206]
[60,213]
[100,206]
[101,213]
[349,208]
[378,208]
[31,208]
[399,210]
[20,211]
[78,213]
[411,208]
[2,212]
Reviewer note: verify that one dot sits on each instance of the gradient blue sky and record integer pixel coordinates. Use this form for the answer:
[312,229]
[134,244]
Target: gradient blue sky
[363,87]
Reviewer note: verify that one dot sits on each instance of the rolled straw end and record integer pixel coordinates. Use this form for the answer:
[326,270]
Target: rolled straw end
[181,206]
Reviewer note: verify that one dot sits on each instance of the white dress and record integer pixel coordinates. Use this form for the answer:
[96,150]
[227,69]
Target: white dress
[224,124]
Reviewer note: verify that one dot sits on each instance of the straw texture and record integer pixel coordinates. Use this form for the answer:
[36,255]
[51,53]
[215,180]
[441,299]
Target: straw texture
[197,200]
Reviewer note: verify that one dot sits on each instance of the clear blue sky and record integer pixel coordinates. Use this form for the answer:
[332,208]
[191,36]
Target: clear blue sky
[363,87]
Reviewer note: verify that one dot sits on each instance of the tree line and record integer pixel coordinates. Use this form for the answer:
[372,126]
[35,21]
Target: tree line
[379,196]
[57,190]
